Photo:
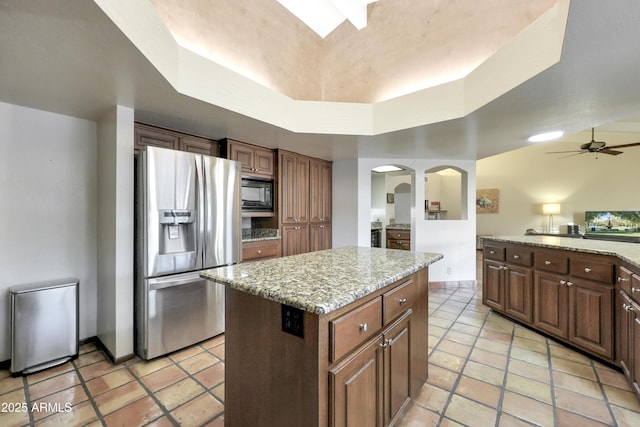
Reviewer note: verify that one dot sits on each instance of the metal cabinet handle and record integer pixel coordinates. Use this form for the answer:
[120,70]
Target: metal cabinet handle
[504,267]
[569,284]
[402,301]
[635,290]
[563,282]
[547,263]
[492,252]
[516,257]
[259,251]
[587,270]
[622,279]
[363,327]
[386,343]
[627,307]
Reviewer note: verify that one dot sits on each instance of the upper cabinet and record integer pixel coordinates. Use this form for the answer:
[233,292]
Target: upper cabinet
[146,135]
[256,161]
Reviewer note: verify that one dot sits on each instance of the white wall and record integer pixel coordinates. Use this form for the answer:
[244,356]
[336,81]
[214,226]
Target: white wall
[529,177]
[48,210]
[454,239]
[115,231]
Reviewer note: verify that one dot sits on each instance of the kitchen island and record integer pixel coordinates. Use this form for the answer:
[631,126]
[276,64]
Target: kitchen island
[583,292]
[335,337]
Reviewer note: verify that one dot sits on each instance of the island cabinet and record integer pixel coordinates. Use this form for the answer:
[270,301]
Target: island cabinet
[359,365]
[508,276]
[628,325]
[566,294]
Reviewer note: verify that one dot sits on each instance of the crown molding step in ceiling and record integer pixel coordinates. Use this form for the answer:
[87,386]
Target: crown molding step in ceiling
[524,53]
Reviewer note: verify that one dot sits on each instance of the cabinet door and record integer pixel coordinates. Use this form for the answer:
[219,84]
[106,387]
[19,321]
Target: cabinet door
[550,304]
[624,337]
[635,349]
[320,191]
[518,293]
[198,146]
[263,161]
[295,239]
[397,367]
[591,317]
[294,188]
[145,136]
[493,285]
[319,237]
[242,154]
[356,388]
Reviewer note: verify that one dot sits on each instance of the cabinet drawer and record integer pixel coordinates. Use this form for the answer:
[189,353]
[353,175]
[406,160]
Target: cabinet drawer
[399,234]
[520,255]
[260,249]
[354,327]
[496,253]
[553,261]
[398,300]
[398,244]
[588,268]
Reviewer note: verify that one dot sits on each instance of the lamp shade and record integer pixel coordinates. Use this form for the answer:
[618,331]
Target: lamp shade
[550,208]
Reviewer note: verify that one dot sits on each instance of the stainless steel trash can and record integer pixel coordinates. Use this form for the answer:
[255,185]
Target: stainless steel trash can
[44,325]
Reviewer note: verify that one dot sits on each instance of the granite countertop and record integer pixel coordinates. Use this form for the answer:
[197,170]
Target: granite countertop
[399,227]
[259,234]
[323,281]
[629,252]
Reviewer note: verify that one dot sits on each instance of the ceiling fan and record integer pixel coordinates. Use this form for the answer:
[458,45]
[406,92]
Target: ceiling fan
[597,147]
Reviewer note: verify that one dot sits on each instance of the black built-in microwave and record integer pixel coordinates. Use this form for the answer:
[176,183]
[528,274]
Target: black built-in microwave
[257,194]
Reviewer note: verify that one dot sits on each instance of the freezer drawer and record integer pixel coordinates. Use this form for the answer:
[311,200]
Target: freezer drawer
[178,311]
[44,325]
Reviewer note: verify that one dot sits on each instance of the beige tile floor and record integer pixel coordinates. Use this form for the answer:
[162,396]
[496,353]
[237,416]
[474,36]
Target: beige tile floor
[484,370]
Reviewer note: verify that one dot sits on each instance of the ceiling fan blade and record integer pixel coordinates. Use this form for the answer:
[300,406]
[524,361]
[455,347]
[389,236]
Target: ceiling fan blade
[632,144]
[574,154]
[570,151]
[608,150]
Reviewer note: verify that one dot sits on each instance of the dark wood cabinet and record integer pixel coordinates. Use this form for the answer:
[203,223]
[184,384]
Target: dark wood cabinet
[255,160]
[293,170]
[569,297]
[507,281]
[628,326]
[320,190]
[304,202]
[148,135]
[399,239]
[356,388]
[319,236]
[295,239]
[260,249]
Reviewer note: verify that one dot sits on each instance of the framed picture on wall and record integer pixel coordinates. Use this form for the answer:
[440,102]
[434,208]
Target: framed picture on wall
[390,198]
[488,200]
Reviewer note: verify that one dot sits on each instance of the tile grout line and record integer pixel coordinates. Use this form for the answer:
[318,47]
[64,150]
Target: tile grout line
[152,395]
[83,383]
[27,398]
[503,388]
[605,398]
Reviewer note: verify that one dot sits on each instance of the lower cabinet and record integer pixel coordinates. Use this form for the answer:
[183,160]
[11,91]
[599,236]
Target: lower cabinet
[319,236]
[399,239]
[371,387]
[295,239]
[260,249]
[628,327]
[569,297]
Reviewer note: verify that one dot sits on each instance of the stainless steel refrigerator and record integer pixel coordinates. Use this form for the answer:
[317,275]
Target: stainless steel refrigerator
[188,218]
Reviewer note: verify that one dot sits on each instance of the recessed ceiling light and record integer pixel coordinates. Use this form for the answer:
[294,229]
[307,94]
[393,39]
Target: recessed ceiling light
[386,168]
[547,136]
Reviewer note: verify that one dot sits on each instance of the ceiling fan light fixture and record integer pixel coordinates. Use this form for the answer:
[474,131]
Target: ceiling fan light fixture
[546,136]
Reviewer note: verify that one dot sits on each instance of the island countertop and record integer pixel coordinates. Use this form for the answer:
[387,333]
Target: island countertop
[629,252]
[323,281]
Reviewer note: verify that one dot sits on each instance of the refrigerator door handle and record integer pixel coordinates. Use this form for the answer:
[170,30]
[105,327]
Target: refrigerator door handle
[201,204]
